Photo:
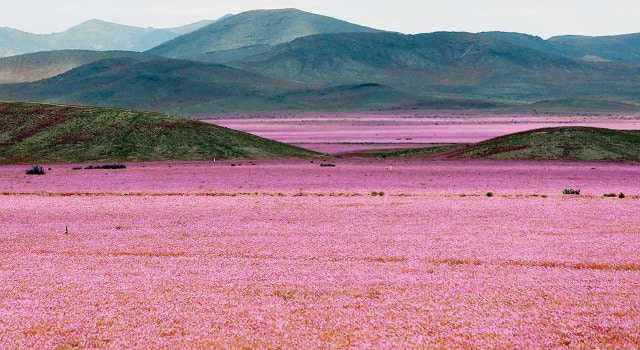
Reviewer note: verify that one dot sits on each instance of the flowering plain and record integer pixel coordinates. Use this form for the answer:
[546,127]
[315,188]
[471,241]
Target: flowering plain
[290,254]
[336,133]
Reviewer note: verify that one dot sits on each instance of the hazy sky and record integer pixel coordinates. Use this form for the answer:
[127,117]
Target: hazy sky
[544,18]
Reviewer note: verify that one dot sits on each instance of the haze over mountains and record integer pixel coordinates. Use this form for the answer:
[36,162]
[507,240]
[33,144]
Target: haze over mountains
[289,59]
[90,35]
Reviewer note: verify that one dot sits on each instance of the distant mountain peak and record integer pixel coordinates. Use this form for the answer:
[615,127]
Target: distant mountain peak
[93,34]
[244,33]
[94,21]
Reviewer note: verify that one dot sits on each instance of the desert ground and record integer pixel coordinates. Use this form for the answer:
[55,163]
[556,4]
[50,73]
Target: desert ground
[323,253]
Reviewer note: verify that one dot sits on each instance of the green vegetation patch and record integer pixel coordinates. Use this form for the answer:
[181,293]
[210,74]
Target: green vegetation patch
[40,133]
[410,152]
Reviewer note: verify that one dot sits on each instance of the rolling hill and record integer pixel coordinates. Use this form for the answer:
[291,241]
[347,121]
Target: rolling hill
[364,57]
[91,35]
[559,143]
[445,66]
[159,84]
[616,48]
[40,133]
[43,65]
[567,143]
[250,33]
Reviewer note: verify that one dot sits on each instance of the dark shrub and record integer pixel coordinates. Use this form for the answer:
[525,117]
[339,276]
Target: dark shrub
[107,166]
[571,191]
[35,170]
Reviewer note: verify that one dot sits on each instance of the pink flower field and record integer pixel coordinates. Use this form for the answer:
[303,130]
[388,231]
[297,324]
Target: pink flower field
[336,133]
[289,254]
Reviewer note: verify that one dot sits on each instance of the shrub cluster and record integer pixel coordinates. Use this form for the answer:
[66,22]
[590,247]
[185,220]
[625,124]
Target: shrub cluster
[327,164]
[106,166]
[35,170]
[571,191]
[612,195]
[374,193]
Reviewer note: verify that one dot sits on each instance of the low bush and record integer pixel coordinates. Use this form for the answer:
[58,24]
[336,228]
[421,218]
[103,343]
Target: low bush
[35,170]
[106,166]
[489,194]
[571,191]
[613,195]
[374,193]
[327,164]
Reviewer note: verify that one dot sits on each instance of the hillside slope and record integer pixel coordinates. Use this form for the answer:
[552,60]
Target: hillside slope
[43,65]
[375,56]
[159,84]
[535,43]
[616,48]
[39,133]
[445,65]
[568,143]
[249,33]
[559,143]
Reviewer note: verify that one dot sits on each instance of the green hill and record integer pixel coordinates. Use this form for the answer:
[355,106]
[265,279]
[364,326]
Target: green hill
[158,84]
[445,66]
[394,58]
[619,48]
[249,33]
[615,48]
[559,143]
[571,143]
[43,65]
[41,133]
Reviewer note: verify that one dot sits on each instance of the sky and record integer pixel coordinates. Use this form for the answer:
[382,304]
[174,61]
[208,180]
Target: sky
[544,18]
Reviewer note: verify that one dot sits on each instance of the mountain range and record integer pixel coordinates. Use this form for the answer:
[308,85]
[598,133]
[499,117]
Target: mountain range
[293,60]
[91,35]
